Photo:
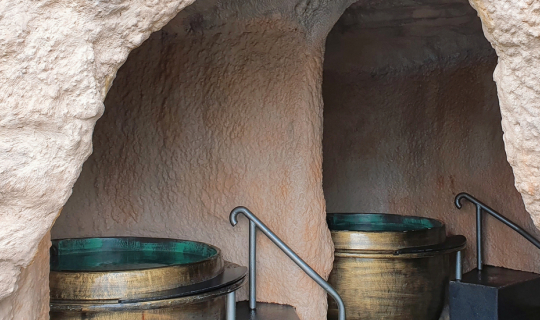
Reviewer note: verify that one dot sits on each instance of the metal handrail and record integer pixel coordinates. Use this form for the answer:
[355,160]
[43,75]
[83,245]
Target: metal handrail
[483,207]
[255,223]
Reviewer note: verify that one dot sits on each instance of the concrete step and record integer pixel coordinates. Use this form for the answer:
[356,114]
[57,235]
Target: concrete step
[265,311]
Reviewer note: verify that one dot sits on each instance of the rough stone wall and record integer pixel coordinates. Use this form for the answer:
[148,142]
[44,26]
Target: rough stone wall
[412,118]
[220,108]
[59,57]
[31,298]
[512,27]
[57,61]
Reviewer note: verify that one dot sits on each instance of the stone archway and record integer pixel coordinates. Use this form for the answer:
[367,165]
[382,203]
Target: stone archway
[219,108]
[412,118]
[71,59]
[59,59]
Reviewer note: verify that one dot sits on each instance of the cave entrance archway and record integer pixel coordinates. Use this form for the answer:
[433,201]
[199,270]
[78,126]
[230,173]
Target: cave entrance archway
[220,108]
[412,118]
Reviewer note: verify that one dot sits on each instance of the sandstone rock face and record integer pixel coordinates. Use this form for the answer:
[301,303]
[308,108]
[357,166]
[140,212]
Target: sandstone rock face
[31,299]
[512,27]
[57,61]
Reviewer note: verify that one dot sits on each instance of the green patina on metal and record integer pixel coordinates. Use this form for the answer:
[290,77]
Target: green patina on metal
[119,254]
[378,222]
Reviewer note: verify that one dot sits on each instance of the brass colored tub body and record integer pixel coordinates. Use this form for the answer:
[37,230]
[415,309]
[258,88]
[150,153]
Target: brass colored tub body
[206,306]
[389,288]
[129,278]
[213,309]
[377,283]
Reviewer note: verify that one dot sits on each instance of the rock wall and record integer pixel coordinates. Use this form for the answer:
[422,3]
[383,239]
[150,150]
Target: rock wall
[512,27]
[220,108]
[412,118]
[58,59]
[31,297]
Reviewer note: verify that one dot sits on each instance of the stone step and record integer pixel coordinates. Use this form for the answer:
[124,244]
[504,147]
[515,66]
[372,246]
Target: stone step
[265,311]
[495,294]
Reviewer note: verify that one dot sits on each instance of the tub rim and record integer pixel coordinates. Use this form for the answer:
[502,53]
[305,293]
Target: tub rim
[386,241]
[82,285]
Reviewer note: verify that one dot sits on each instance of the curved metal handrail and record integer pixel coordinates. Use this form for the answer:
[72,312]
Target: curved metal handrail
[481,206]
[255,223]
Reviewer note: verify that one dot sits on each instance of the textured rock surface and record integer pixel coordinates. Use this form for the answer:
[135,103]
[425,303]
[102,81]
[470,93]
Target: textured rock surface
[411,119]
[221,108]
[31,298]
[57,60]
[59,57]
[512,27]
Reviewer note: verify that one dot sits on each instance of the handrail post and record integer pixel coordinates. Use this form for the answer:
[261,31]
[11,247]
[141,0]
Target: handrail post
[479,262]
[252,265]
[231,306]
[288,251]
[459,266]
